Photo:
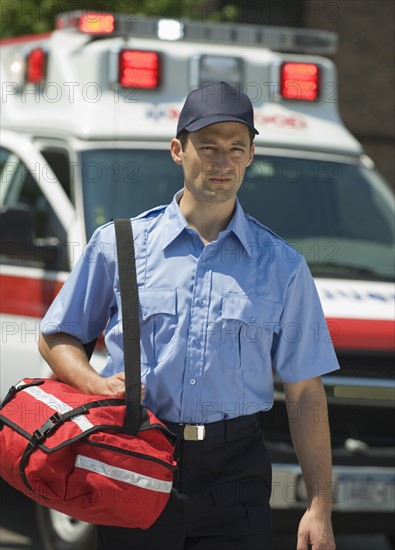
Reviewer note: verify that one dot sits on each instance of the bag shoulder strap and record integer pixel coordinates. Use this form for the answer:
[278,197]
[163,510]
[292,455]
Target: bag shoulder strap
[130,323]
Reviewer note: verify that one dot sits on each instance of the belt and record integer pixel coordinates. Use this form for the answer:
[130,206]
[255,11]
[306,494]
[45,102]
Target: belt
[231,429]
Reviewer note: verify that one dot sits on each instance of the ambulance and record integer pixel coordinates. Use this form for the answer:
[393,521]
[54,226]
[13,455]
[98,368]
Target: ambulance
[88,112]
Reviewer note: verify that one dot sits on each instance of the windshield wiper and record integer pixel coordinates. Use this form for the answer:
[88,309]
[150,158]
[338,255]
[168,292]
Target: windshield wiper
[347,271]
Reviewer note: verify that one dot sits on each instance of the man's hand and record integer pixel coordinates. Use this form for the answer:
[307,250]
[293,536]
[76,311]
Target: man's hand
[114,386]
[316,530]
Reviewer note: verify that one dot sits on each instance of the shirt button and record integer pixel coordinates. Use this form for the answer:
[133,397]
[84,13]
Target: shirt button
[192,381]
[196,343]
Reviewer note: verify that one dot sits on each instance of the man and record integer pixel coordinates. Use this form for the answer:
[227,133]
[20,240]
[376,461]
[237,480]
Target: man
[218,295]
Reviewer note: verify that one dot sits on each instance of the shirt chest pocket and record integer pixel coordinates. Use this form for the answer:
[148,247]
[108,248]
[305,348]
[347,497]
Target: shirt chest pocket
[246,330]
[158,320]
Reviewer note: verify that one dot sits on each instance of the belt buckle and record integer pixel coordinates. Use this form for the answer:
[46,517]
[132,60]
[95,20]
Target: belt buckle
[194,432]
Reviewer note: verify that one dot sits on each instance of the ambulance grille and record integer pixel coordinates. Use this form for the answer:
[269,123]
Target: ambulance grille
[366,366]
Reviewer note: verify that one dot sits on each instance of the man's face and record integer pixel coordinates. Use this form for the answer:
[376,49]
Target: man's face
[214,160]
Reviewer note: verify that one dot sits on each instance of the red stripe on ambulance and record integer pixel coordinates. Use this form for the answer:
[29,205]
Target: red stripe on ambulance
[29,297]
[362,334]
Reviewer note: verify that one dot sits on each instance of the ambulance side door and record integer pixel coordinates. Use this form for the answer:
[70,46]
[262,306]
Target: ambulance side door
[35,218]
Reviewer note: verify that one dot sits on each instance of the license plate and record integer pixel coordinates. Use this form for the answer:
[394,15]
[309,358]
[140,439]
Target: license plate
[374,492]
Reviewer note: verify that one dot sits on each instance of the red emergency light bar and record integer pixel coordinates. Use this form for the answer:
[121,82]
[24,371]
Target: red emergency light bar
[299,81]
[139,69]
[278,39]
[97,23]
[36,62]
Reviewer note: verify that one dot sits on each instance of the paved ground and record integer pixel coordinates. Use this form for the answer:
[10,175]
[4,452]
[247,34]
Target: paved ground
[10,540]
[18,530]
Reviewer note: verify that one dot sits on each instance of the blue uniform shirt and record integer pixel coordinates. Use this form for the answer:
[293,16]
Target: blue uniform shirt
[215,320]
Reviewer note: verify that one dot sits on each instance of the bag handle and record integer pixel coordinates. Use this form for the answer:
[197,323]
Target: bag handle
[130,323]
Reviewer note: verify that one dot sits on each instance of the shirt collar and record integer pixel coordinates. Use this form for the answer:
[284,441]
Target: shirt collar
[240,227]
[175,223]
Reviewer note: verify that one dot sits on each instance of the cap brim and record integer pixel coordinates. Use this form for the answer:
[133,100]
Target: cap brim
[214,119]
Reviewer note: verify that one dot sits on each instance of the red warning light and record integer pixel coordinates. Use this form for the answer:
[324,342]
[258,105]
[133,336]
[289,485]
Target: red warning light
[36,63]
[299,81]
[97,23]
[139,69]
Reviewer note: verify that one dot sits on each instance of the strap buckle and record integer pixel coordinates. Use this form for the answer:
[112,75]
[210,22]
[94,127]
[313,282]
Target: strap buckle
[41,433]
[194,432]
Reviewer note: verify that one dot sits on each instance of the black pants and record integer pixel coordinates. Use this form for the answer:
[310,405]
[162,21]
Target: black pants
[220,500]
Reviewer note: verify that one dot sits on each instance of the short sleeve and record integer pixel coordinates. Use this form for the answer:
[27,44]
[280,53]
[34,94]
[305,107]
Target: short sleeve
[83,306]
[302,347]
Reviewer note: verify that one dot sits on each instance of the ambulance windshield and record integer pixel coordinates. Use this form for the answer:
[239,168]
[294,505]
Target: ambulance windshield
[339,216]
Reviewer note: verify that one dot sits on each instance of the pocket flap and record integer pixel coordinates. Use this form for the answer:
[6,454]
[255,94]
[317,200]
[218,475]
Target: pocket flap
[247,310]
[157,300]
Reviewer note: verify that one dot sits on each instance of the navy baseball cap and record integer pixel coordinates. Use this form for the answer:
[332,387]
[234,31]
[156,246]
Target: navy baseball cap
[215,102]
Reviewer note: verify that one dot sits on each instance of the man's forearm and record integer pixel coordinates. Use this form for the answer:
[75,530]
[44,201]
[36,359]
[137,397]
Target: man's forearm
[308,420]
[68,360]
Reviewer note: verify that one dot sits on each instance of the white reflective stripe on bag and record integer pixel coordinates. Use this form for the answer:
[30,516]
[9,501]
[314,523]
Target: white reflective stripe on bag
[59,406]
[120,474]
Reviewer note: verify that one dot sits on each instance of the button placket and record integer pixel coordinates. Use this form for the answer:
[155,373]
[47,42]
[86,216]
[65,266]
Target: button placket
[195,347]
